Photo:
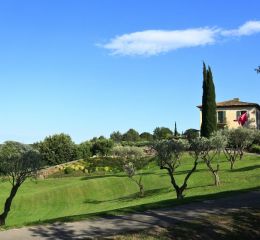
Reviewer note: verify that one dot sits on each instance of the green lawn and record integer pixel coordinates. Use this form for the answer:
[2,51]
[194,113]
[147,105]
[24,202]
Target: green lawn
[73,198]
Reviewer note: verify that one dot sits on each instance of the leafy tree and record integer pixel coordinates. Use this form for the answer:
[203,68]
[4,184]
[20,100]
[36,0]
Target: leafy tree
[169,157]
[17,162]
[128,152]
[219,143]
[101,137]
[146,136]
[130,171]
[238,140]
[131,135]
[84,150]
[133,159]
[210,149]
[191,134]
[209,118]
[175,130]
[116,136]
[102,147]
[94,139]
[162,133]
[57,149]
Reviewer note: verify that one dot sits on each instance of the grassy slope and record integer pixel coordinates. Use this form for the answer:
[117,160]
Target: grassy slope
[58,198]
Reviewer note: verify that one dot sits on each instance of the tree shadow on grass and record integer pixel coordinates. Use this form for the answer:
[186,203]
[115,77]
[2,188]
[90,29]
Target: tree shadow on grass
[245,169]
[56,231]
[130,197]
[102,176]
[169,203]
[117,175]
[229,224]
[239,225]
[201,186]
[179,172]
[187,171]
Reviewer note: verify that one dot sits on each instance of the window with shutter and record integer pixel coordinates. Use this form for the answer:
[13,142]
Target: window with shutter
[221,117]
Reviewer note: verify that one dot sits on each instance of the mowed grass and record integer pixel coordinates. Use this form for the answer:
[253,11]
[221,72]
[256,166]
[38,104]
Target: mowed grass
[73,198]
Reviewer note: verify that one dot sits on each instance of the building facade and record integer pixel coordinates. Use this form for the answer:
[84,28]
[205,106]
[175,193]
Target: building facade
[228,113]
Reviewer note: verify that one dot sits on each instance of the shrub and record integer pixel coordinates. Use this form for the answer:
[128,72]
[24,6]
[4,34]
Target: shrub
[68,170]
[257,137]
[128,152]
[101,147]
[255,148]
[103,164]
[191,134]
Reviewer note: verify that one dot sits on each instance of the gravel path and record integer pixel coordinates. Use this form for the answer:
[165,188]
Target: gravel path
[108,226]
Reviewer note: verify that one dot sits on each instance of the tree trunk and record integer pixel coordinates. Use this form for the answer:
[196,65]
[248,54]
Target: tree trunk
[241,154]
[232,164]
[179,192]
[141,190]
[214,172]
[217,180]
[8,203]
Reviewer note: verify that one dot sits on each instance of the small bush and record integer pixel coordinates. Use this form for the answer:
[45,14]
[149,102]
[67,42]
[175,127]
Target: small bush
[255,148]
[68,170]
[103,164]
[257,137]
[136,144]
[63,175]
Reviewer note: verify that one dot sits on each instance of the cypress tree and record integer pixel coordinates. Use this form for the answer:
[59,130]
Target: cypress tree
[175,130]
[209,117]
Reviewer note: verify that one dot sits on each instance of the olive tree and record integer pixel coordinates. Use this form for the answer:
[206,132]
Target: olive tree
[209,150]
[238,140]
[218,142]
[17,162]
[130,171]
[132,159]
[169,154]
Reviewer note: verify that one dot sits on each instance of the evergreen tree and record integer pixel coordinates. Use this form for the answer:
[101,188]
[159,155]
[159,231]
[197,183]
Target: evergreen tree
[209,117]
[131,135]
[162,133]
[175,130]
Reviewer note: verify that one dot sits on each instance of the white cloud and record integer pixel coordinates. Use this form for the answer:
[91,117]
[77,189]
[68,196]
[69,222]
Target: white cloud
[153,42]
[249,28]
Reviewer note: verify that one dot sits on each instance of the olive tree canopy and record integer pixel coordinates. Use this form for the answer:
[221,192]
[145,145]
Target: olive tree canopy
[17,162]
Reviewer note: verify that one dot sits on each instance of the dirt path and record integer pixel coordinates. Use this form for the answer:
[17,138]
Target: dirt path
[106,227]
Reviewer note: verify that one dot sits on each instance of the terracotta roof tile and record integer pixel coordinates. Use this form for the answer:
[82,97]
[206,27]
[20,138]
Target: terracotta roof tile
[235,103]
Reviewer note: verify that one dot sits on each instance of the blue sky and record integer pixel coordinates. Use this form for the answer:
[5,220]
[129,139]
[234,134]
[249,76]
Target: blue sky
[88,68]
